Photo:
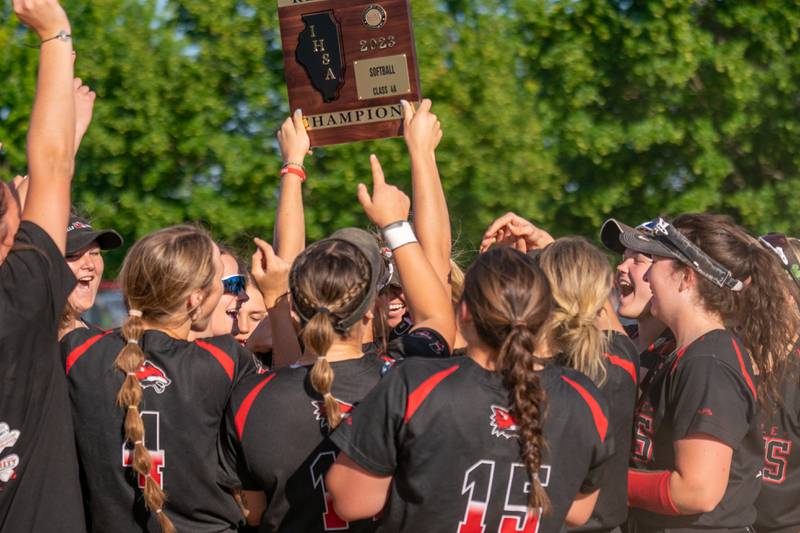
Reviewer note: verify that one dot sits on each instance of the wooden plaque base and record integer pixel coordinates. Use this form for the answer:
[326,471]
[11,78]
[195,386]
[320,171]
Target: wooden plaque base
[348,64]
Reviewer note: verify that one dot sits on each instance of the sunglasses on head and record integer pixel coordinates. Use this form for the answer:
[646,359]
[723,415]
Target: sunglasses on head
[779,245]
[234,284]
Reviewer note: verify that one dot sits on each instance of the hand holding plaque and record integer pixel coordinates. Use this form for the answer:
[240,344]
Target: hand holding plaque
[347,65]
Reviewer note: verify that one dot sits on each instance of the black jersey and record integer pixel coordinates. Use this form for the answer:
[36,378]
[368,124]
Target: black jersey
[420,342]
[186,387]
[39,485]
[707,387]
[443,429]
[620,391]
[778,505]
[276,440]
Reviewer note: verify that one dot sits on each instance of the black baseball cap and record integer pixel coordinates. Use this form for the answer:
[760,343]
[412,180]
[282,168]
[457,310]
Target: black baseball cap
[617,236]
[81,234]
[667,241]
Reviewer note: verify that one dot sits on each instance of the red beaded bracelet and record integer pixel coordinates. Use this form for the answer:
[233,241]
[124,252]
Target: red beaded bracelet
[296,171]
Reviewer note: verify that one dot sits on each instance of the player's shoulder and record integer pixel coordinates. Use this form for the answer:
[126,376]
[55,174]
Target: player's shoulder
[621,358]
[716,347]
[421,368]
[621,345]
[573,391]
[79,343]
[251,387]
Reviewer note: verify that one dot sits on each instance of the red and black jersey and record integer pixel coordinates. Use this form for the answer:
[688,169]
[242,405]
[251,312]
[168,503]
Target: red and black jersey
[442,428]
[39,485]
[620,391]
[276,441]
[778,505]
[707,388]
[186,387]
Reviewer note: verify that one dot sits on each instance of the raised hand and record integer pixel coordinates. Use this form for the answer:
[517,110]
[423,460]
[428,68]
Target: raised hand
[421,128]
[45,17]
[270,272]
[388,203]
[293,139]
[84,106]
[513,230]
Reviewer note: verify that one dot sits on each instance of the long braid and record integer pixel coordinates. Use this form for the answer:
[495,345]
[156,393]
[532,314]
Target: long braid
[328,280]
[129,360]
[529,405]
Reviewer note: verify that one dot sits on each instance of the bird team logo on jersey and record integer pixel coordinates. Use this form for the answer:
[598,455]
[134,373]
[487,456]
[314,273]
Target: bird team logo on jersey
[320,413]
[503,424]
[8,438]
[151,376]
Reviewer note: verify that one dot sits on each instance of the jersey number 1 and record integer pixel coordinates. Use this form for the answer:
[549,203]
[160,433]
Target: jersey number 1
[478,480]
[152,442]
[319,468]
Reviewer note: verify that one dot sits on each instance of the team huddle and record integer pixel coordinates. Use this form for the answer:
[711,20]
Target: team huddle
[363,382]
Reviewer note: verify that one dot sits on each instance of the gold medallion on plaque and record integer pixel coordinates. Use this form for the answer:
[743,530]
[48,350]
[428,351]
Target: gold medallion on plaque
[374,17]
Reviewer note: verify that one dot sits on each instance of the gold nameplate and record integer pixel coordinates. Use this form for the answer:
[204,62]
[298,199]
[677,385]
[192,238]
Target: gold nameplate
[381,77]
[350,117]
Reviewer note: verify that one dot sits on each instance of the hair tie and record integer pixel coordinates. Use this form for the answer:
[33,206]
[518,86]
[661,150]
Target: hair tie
[134,312]
[133,341]
[321,358]
[131,374]
[519,324]
[137,442]
[323,310]
[158,511]
[132,407]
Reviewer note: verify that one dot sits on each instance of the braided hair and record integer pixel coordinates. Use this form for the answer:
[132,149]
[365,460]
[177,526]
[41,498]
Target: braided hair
[509,300]
[329,282]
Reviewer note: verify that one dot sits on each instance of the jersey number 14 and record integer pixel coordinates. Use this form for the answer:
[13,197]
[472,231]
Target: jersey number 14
[151,423]
[478,481]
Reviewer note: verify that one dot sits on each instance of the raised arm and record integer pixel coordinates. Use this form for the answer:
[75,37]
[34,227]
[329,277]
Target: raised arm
[51,137]
[290,229]
[422,133]
[426,296]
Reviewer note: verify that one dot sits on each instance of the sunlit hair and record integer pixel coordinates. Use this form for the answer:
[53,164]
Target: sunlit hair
[328,281]
[159,273]
[3,211]
[581,279]
[757,313]
[508,299]
[456,282]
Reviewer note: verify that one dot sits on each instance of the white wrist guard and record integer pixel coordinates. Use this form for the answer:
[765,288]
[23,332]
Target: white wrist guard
[398,234]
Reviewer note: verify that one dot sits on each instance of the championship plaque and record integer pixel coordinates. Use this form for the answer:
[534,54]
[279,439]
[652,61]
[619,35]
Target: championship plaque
[348,64]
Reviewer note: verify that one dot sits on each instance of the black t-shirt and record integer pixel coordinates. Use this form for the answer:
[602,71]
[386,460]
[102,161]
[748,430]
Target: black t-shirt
[185,390]
[276,440]
[442,428]
[420,342]
[650,357]
[39,484]
[778,505]
[707,387]
[620,391]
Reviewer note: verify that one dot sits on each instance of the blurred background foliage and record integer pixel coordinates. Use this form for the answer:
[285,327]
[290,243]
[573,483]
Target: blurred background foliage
[565,111]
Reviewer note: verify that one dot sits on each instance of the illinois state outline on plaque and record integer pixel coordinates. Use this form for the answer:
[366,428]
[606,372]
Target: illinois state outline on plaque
[319,51]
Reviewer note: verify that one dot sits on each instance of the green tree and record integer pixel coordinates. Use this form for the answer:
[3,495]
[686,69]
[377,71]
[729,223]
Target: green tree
[565,111]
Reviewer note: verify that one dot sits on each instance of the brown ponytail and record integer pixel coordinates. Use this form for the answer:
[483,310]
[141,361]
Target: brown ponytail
[329,281]
[758,313]
[157,276]
[509,300]
[129,360]
[580,278]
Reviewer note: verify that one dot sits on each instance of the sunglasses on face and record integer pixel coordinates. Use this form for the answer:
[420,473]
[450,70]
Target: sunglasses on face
[234,284]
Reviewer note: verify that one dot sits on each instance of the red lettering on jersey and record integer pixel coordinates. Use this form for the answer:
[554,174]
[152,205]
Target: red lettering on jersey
[776,459]
[78,351]
[643,442]
[222,358]
[600,420]
[705,411]
[241,414]
[419,394]
[512,524]
[624,364]
[152,437]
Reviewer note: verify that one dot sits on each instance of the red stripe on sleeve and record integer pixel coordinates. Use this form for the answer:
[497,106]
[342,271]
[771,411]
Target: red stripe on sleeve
[244,409]
[419,394]
[221,357]
[624,364]
[77,352]
[600,420]
[744,370]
